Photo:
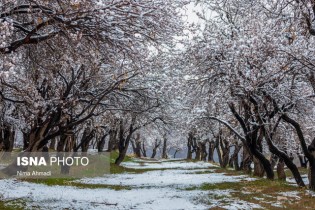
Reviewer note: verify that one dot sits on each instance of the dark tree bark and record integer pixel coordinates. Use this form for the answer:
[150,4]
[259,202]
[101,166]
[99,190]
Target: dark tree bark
[101,143]
[308,151]
[66,142]
[258,167]
[225,148]
[273,149]
[7,139]
[311,174]
[190,145]
[204,151]
[124,141]
[143,149]
[217,147]
[26,137]
[251,137]
[157,144]
[87,137]
[164,150]
[112,142]
[285,159]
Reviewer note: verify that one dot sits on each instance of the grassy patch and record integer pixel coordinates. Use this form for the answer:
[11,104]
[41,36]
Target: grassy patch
[229,172]
[263,192]
[114,155]
[261,185]
[15,204]
[207,171]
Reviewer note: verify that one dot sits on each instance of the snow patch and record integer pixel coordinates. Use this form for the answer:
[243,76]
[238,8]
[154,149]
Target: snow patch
[178,178]
[167,165]
[63,197]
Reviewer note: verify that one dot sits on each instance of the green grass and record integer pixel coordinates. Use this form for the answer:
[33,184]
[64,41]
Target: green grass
[263,184]
[114,156]
[15,204]
[262,191]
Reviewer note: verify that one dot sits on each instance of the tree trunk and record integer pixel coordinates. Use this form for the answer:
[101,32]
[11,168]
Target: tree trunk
[211,151]
[258,168]
[233,162]
[175,154]
[286,159]
[153,153]
[225,148]
[203,151]
[144,151]
[311,176]
[280,170]
[246,161]
[6,139]
[264,162]
[217,146]
[26,137]
[101,143]
[52,145]
[157,144]
[124,141]
[190,146]
[121,156]
[87,137]
[273,160]
[311,159]
[112,139]
[61,143]
[136,146]
[252,140]
[309,151]
[198,151]
[164,150]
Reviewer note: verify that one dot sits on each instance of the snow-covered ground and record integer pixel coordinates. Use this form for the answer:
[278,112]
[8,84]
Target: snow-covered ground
[157,189]
[167,165]
[164,178]
[293,182]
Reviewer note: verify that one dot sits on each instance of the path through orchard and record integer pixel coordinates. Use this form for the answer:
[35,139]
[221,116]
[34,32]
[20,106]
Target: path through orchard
[163,184]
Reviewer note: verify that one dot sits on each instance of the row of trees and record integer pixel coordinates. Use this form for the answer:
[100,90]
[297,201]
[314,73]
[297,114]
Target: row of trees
[251,69]
[73,73]
[80,73]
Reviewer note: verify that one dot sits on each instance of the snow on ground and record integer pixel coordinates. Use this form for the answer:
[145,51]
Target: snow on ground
[242,205]
[157,189]
[61,197]
[177,175]
[144,159]
[293,194]
[293,182]
[167,165]
[162,178]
